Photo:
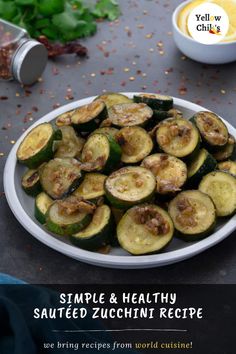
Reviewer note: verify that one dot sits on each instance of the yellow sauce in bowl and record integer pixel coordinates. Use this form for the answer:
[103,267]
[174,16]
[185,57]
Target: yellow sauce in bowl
[228,5]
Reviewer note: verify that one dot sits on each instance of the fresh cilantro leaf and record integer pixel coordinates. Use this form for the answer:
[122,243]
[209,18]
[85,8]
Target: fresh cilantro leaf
[50,7]
[59,20]
[107,9]
[25,2]
[8,10]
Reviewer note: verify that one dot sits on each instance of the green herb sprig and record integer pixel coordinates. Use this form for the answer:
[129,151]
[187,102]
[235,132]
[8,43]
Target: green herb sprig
[58,20]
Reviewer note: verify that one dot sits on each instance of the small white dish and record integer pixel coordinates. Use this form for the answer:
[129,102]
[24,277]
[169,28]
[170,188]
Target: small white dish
[23,208]
[219,53]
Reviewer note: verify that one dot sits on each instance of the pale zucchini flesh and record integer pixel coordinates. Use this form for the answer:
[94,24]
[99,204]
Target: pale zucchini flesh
[87,118]
[64,119]
[70,145]
[36,147]
[135,143]
[129,114]
[112,98]
[129,186]
[101,153]
[170,172]
[109,131]
[177,137]
[60,177]
[145,229]
[228,166]
[221,187]
[92,186]
[193,214]
[42,204]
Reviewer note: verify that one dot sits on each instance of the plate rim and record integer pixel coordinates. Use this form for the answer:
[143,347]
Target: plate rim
[95,258]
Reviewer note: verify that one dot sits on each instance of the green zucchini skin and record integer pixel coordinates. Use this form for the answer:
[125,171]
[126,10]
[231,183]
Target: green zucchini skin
[154,101]
[92,187]
[204,202]
[66,230]
[209,164]
[95,240]
[114,157]
[43,155]
[225,152]
[221,187]
[94,121]
[39,214]
[31,183]
[210,142]
[114,153]
[123,203]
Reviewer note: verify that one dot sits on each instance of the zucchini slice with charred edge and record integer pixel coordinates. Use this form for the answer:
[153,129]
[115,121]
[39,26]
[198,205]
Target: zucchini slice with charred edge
[226,151]
[112,98]
[135,143]
[70,145]
[101,152]
[110,131]
[221,187]
[193,214]
[201,164]
[60,177]
[66,224]
[42,204]
[129,114]
[30,183]
[211,127]
[92,187]
[145,229]
[129,186]
[228,166]
[64,119]
[88,117]
[37,146]
[178,137]
[98,233]
[155,101]
[170,172]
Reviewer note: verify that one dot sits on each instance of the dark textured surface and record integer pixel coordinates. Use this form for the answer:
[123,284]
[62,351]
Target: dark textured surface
[141,41]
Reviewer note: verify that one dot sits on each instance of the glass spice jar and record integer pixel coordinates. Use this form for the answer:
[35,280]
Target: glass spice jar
[21,57]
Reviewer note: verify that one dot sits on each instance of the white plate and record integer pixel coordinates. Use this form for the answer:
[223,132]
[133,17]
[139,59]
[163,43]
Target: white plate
[23,209]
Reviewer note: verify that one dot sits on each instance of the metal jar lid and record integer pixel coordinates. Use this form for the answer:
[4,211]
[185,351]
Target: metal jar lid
[29,62]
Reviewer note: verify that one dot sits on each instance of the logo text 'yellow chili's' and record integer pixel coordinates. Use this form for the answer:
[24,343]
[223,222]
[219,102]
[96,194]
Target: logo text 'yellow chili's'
[209,21]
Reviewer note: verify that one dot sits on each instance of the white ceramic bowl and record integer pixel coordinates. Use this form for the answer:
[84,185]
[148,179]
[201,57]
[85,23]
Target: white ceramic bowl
[219,53]
[23,208]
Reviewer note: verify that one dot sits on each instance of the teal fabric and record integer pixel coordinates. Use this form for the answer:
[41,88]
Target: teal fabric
[20,333]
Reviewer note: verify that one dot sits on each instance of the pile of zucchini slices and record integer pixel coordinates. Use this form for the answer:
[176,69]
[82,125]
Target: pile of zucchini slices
[128,172]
